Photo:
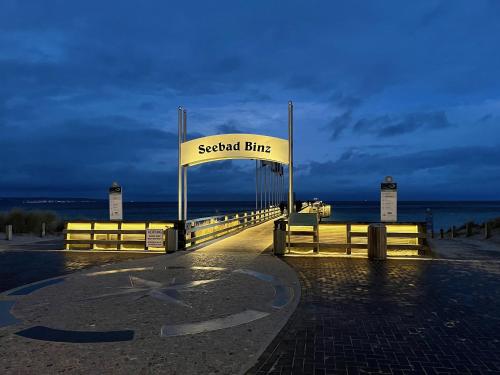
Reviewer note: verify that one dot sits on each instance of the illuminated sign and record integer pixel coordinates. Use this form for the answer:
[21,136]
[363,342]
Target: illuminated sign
[388,200]
[234,146]
[115,202]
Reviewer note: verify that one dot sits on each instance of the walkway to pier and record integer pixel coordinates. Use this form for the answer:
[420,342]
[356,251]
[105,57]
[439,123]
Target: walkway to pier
[213,310]
[395,317]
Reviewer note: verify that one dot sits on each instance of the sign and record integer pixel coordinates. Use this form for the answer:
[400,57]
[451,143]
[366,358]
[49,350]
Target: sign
[388,200]
[429,222]
[234,146]
[154,238]
[303,220]
[115,202]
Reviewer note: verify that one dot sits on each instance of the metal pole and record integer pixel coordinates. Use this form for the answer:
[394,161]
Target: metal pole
[256,184]
[179,190]
[290,157]
[260,183]
[184,139]
[275,184]
[265,186]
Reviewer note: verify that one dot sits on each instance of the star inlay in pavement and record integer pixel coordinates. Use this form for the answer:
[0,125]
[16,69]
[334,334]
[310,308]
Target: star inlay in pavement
[161,291]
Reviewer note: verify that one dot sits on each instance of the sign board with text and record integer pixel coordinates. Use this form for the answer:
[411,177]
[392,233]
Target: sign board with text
[154,238]
[388,201]
[115,203]
[234,146]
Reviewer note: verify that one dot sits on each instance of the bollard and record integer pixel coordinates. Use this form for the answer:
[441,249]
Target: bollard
[441,233]
[279,237]
[171,240]
[8,232]
[487,230]
[468,229]
[181,235]
[453,231]
[377,241]
[43,231]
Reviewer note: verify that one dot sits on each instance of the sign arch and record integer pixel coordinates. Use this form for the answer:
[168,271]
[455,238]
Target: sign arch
[234,146]
[230,147]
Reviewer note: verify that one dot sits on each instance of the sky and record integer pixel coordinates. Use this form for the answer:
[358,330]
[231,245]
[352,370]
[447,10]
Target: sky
[89,92]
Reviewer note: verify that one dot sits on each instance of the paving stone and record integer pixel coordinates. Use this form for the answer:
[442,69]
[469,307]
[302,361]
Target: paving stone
[393,317]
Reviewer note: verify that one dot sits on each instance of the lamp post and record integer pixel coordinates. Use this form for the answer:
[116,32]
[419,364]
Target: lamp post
[290,157]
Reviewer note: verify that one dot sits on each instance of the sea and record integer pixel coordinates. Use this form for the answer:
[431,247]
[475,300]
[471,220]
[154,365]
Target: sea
[444,213]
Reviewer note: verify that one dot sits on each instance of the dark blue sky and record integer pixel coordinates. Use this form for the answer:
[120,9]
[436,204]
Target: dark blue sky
[89,91]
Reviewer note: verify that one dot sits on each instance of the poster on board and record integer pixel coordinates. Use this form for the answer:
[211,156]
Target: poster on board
[388,200]
[115,202]
[154,238]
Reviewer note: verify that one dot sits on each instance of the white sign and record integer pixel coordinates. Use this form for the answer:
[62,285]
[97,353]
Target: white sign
[115,203]
[234,146]
[154,238]
[388,201]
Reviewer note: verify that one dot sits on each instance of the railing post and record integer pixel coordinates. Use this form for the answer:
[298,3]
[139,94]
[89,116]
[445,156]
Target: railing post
[8,232]
[487,230]
[193,236]
[181,235]
[348,239]
[422,239]
[377,241]
[468,229]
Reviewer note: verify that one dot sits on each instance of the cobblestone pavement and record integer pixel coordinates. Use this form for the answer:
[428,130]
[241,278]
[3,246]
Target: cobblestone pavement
[210,311]
[393,317]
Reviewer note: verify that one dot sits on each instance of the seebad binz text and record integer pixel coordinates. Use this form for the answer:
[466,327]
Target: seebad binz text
[249,146]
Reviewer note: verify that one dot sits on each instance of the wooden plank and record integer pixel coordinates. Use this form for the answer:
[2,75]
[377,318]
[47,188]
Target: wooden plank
[104,242]
[302,233]
[303,220]
[104,231]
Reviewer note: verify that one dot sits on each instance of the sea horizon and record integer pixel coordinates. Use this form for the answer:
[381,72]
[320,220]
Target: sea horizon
[445,213]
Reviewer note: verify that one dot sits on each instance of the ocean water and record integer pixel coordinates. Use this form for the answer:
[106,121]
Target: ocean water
[445,214]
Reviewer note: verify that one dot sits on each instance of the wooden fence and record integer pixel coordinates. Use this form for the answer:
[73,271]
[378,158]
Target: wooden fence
[206,229]
[131,236]
[108,235]
[353,237]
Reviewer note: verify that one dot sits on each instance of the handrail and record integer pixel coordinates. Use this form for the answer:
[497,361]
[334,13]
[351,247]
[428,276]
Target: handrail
[347,239]
[194,234]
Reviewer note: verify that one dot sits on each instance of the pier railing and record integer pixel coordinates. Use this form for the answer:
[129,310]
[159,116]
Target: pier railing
[132,236]
[109,235]
[199,231]
[352,238]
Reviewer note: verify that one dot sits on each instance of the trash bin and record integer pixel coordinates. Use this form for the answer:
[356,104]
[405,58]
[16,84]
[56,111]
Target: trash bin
[171,240]
[279,237]
[377,241]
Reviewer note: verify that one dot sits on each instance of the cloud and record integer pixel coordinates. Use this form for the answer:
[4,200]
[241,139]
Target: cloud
[339,124]
[358,162]
[346,101]
[90,91]
[390,126]
[229,127]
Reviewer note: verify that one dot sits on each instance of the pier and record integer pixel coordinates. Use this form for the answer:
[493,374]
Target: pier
[277,289]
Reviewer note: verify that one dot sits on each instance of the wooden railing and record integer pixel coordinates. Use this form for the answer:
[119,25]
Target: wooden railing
[206,229]
[108,235]
[349,237]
